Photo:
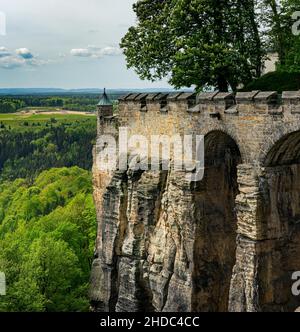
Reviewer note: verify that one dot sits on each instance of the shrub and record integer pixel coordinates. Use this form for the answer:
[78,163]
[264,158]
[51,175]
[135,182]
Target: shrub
[275,81]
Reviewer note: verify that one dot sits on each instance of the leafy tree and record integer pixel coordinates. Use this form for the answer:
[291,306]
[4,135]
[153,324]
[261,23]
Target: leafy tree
[54,268]
[24,296]
[291,61]
[47,233]
[195,42]
[25,152]
[276,81]
[278,22]
[7,107]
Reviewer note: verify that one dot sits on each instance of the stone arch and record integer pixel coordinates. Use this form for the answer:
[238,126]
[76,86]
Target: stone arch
[230,132]
[273,140]
[216,223]
[286,151]
[280,213]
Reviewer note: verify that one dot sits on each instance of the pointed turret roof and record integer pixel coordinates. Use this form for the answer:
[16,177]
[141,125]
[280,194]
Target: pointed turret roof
[104,100]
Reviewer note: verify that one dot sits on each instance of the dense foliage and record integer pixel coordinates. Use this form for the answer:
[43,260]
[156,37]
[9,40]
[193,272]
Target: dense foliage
[47,233]
[276,81]
[8,105]
[47,220]
[211,42]
[76,102]
[197,42]
[278,22]
[25,153]
[13,104]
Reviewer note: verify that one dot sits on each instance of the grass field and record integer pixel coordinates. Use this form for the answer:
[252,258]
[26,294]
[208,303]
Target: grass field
[25,120]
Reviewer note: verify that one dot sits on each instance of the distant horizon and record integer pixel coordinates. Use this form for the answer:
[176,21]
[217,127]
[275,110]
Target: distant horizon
[63,91]
[91,88]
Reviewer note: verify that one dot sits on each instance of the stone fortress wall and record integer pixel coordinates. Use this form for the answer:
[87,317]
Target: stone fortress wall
[227,243]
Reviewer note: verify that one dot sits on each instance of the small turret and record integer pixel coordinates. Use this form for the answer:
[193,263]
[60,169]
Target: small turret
[105,106]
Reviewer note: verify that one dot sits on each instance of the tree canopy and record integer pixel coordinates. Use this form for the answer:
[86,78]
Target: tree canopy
[26,151]
[208,42]
[279,21]
[47,234]
[195,42]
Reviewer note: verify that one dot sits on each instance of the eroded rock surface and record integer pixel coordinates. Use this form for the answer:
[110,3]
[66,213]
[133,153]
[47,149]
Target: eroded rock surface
[165,244]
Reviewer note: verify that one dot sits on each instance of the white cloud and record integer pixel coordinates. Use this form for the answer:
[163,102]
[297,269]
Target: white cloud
[11,62]
[4,52]
[81,52]
[20,58]
[96,52]
[24,53]
[111,51]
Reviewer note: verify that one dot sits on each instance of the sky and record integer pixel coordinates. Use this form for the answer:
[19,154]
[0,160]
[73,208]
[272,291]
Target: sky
[66,44]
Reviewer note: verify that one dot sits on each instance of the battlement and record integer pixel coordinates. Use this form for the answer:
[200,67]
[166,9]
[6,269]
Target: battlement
[216,104]
[255,120]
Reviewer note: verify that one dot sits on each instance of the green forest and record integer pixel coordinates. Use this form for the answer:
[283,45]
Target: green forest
[76,102]
[9,104]
[33,144]
[47,215]
[47,231]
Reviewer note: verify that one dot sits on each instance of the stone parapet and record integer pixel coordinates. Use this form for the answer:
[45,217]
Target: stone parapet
[268,102]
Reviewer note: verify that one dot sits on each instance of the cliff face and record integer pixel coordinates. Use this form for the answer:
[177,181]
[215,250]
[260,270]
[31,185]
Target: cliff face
[165,244]
[157,251]
[229,242]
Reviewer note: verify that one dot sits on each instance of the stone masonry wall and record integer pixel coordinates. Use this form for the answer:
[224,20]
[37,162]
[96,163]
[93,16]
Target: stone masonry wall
[227,243]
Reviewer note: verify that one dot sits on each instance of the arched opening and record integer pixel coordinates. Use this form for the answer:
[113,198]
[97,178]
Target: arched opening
[216,224]
[280,193]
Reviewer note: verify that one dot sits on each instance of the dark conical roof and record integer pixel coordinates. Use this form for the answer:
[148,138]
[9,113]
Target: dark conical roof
[104,100]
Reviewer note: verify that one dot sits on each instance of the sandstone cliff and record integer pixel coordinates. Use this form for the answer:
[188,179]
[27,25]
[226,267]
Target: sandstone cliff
[164,243]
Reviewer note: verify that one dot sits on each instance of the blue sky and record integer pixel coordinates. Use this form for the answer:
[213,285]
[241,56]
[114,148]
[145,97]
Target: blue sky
[67,44]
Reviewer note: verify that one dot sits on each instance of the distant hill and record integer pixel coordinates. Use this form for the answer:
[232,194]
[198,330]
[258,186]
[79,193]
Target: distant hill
[57,91]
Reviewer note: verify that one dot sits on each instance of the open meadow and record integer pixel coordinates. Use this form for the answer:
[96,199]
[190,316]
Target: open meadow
[33,119]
